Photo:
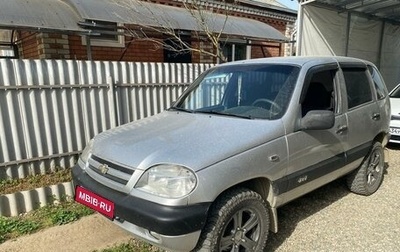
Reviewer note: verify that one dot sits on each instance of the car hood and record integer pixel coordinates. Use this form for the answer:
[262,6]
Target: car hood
[192,140]
[395,106]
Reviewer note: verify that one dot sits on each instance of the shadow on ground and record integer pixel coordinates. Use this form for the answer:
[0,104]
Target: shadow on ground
[294,212]
[301,208]
[393,146]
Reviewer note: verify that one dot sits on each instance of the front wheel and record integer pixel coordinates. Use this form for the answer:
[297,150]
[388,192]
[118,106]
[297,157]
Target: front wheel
[369,176]
[239,221]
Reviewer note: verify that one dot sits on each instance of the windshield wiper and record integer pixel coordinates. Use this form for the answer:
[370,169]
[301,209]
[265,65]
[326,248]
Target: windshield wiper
[181,109]
[214,112]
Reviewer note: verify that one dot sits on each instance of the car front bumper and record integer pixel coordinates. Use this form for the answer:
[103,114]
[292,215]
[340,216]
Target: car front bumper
[173,227]
[394,134]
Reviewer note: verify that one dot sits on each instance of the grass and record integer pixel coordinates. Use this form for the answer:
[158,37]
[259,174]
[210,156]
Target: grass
[57,214]
[132,246]
[51,215]
[64,212]
[36,181]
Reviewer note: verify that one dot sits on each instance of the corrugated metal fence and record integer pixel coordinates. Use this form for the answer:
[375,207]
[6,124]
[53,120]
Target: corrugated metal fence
[50,109]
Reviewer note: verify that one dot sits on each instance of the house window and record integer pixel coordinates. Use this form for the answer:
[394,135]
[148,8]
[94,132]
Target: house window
[8,51]
[174,53]
[7,48]
[104,33]
[235,51]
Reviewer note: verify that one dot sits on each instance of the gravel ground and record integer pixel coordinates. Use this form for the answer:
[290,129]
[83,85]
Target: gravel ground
[334,219]
[328,219]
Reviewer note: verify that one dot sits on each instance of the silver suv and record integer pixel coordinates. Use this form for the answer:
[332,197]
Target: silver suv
[245,138]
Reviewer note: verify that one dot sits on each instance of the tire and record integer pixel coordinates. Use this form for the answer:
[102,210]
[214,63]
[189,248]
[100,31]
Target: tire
[369,176]
[238,221]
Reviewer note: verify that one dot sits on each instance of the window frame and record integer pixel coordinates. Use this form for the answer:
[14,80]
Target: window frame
[334,69]
[99,40]
[234,43]
[368,78]
[379,84]
[8,49]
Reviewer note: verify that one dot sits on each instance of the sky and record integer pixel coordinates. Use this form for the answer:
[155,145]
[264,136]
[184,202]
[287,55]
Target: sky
[293,4]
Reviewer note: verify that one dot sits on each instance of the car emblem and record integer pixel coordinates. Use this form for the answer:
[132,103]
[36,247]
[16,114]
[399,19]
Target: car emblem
[103,168]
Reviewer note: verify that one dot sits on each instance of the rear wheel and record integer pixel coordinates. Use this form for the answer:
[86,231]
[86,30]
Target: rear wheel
[369,176]
[239,221]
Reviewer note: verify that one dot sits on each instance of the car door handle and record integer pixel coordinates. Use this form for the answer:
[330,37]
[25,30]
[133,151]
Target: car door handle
[376,116]
[274,158]
[341,129]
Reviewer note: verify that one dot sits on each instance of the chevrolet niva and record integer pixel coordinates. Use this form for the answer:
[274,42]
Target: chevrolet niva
[210,172]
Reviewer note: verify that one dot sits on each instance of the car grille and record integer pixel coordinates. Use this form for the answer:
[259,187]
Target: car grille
[395,117]
[394,137]
[114,172]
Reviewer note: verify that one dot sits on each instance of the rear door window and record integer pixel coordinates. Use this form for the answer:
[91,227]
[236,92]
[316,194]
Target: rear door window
[357,86]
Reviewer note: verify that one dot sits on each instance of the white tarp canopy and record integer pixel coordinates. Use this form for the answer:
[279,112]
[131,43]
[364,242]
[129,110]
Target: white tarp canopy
[353,28]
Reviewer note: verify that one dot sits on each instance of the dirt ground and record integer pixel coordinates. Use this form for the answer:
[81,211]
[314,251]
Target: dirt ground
[328,219]
[93,232]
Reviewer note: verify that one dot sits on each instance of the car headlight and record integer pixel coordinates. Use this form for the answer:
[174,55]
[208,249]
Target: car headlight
[86,152]
[170,181]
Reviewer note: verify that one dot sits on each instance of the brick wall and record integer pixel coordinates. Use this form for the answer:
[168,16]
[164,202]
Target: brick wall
[38,45]
[198,57]
[262,50]
[61,46]
[53,46]
[28,45]
[136,50]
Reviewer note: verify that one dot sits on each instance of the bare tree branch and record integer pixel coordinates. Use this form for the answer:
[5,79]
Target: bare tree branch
[203,26]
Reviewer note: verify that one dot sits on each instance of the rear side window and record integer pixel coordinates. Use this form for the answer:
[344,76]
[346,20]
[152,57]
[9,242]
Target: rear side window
[381,91]
[357,86]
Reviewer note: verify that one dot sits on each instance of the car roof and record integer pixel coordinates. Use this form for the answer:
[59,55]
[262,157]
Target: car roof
[301,60]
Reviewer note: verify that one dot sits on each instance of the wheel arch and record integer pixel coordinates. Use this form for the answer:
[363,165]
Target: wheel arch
[262,186]
[383,138]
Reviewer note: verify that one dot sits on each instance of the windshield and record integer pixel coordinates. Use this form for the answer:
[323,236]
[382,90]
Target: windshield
[251,91]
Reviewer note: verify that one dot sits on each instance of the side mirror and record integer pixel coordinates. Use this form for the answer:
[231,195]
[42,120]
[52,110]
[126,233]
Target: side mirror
[318,120]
